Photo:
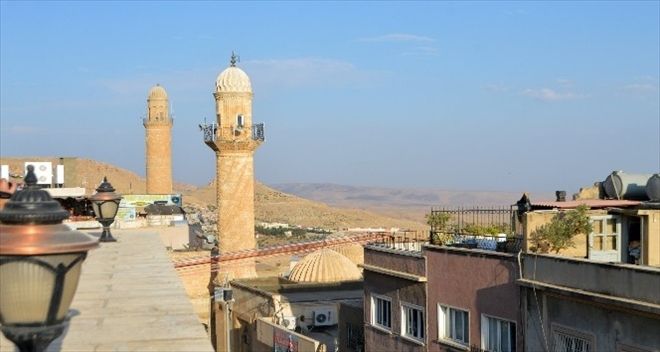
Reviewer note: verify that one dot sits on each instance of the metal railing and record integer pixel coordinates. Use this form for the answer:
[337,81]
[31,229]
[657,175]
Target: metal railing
[475,220]
[258,132]
[212,132]
[405,241]
[487,228]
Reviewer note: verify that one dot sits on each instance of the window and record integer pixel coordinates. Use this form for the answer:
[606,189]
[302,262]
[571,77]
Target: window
[354,338]
[240,121]
[412,321]
[567,340]
[381,311]
[453,324]
[498,335]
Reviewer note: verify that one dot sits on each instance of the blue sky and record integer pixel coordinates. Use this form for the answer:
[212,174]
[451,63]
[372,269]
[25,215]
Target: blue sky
[519,96]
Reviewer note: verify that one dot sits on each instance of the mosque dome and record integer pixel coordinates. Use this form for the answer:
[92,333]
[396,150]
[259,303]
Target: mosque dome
[325,265]
[353,251]
[157,93]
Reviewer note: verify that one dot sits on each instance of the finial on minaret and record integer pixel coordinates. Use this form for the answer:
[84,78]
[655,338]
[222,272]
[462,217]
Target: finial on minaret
[234,59]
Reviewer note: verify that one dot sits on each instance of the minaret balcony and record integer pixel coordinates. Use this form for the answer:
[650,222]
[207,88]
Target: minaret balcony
[232,137]
[156,121]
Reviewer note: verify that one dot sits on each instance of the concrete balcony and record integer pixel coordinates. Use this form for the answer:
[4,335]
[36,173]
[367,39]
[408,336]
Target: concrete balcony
[397,258]
[617,283]
[167,121]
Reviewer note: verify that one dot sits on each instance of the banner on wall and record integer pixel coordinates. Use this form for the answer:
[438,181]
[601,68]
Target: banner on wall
[283,341]
[142,200]
[126,214]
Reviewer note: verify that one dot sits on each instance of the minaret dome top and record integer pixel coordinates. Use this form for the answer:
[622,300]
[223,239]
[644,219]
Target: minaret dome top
[233,79]
[157,92]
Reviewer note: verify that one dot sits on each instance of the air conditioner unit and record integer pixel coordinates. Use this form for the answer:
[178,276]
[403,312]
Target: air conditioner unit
[323,318]
[288,322]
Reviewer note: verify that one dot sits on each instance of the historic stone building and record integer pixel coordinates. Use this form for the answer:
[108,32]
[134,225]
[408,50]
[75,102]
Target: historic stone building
[234,139]
[158,128]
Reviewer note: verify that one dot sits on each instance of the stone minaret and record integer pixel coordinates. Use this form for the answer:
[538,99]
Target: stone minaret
[234,139]
[158,126]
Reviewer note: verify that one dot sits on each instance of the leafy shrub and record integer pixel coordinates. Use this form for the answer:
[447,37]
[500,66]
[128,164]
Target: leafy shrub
[437,221]
[559,232]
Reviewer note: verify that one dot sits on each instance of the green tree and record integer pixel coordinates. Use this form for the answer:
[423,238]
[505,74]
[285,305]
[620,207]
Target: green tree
[439,232]
[559,232]
[437,221]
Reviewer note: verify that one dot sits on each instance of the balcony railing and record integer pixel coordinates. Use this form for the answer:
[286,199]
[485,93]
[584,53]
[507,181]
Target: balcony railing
[494,228]
[475,220]
[405,241]
[258,132]
[212,132]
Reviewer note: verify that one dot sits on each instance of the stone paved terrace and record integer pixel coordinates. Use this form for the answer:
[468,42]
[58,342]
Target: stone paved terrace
[130,299]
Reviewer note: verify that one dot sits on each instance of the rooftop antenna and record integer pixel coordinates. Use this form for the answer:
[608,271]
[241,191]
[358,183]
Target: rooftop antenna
[234,59]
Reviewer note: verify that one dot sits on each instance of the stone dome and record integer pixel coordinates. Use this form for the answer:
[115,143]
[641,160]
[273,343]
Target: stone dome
[157,93]
[233,79]
[353,251]
[325,265]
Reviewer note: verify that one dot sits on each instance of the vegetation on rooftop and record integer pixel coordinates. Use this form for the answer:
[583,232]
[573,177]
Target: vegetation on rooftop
[558,234]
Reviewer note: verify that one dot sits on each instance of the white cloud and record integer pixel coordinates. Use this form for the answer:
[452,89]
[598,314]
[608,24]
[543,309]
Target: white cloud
[640,88]
[398,37]
[296,72]
[422,51]
[496,87]
[22,129]
[564,81]
[547,94]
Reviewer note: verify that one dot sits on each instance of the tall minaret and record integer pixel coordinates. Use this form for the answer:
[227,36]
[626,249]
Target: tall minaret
[158,126]
[234,140]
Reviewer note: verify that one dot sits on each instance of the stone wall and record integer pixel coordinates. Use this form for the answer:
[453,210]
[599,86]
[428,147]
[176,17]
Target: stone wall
[159,158]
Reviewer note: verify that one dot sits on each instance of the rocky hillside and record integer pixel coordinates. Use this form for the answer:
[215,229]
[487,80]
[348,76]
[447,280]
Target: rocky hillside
[275,206]
[271,205]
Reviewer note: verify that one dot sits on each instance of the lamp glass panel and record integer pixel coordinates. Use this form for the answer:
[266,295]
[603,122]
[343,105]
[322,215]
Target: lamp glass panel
[109,209]
[69,289]
[95,206]
[26,288]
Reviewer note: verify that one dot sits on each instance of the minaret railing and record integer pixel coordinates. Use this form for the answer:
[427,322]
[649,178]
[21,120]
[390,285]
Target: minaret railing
[212,132]
[258,132]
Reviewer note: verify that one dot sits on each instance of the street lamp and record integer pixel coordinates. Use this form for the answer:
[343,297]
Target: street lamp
[40,263]
[105,203]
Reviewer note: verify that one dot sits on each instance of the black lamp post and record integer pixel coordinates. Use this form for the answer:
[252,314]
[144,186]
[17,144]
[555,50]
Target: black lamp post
[40,263]
[105,203]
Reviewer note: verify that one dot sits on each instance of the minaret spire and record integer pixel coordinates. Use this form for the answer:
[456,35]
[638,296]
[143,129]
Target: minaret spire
[234,59]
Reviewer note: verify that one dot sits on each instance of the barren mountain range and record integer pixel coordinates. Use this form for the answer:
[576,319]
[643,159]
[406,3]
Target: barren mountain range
[401,203]
[306,204]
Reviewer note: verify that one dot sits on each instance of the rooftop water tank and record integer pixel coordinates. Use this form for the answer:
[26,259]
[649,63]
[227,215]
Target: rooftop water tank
[620,185]
[653,188]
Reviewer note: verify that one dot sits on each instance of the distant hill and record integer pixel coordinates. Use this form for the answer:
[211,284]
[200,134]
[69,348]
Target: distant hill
[275,206]
[271,205]
[406,203]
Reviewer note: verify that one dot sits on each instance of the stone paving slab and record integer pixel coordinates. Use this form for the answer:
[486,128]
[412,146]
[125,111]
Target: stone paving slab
[130,299]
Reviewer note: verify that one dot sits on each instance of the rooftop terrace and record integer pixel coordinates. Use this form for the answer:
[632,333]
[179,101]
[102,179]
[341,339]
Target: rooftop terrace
[130,299]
